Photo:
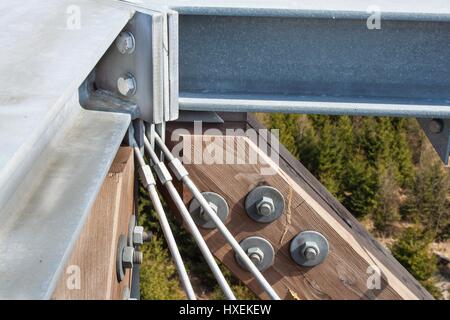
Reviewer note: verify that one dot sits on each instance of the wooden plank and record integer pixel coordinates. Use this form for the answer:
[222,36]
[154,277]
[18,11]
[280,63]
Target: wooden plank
[94,254]
[344,273]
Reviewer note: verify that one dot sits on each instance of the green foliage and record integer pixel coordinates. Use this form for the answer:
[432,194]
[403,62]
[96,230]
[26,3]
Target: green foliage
[428,201]
[159,280]
[413,252]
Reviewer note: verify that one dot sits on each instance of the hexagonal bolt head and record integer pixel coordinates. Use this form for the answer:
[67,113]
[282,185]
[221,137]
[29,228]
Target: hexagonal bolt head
[125,43]
[127,257]
[255,254]
[436,126]
[127,85]
[138,257]
[203,213]
[310,250]
[138,235]
[265,207]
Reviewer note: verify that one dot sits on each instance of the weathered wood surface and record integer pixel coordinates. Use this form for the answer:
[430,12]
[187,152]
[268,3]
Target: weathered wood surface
[95,250]
[309,206]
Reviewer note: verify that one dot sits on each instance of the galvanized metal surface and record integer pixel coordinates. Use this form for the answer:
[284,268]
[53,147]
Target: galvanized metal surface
[309,240]
[54,155]
[267,253]
[254,198]
[43,218]
[309,62]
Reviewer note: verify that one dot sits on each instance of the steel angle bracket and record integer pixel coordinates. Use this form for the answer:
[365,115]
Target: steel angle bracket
[438,132]
[148,68]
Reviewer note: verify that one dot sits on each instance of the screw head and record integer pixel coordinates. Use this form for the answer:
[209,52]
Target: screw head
[127,257]
[255,254]
[127,85]
[125,42]
[138,235]
[203,213]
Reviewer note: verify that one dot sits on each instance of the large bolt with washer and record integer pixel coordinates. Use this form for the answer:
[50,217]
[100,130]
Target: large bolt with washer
[125,42]
[255,254]
[265,207]
[127,85]
[128,257]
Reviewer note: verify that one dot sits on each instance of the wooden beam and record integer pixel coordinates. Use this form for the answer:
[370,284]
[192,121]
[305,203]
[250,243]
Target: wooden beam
[309,206]
[94,254]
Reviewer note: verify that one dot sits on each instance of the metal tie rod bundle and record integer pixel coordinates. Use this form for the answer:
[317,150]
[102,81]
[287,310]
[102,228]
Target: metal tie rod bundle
[149,182]
[166,179]
[181,173]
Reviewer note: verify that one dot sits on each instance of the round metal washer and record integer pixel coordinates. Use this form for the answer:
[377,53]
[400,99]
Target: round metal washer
[203,220]
[264,246]
[121,244]
[256,195]
[299,243]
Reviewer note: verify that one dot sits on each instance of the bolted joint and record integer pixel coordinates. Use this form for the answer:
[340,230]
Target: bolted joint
[127,85]
[265,207]
[162,172]
[138,235]
[145,173]
[127,257]
[310,250]
[203,213]
[125,42]
[255,254]
[178,169]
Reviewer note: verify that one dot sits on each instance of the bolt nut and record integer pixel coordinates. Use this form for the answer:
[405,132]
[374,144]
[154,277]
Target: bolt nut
[138,236]
[127,257]
[127,85]
[255,254]
[436,126]
[203,213]
[265,207]
[310,250]
[138,257]
[125,42]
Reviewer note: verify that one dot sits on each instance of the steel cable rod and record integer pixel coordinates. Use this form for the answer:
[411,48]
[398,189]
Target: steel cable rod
[181,173]
[166,179]
[149,182]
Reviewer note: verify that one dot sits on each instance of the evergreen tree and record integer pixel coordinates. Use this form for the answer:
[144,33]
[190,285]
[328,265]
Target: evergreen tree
[413,252]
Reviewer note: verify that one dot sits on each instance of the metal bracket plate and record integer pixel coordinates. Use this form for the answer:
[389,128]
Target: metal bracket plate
[145,63]
[438,132]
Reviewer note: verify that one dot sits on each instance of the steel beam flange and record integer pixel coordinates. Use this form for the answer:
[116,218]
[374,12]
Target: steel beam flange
[264,204]
[309,248]
[259,250]
[218,204]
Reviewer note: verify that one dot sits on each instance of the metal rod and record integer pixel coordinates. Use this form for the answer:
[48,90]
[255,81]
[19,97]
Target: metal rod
[220,225]
[191,224]
[171,243]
